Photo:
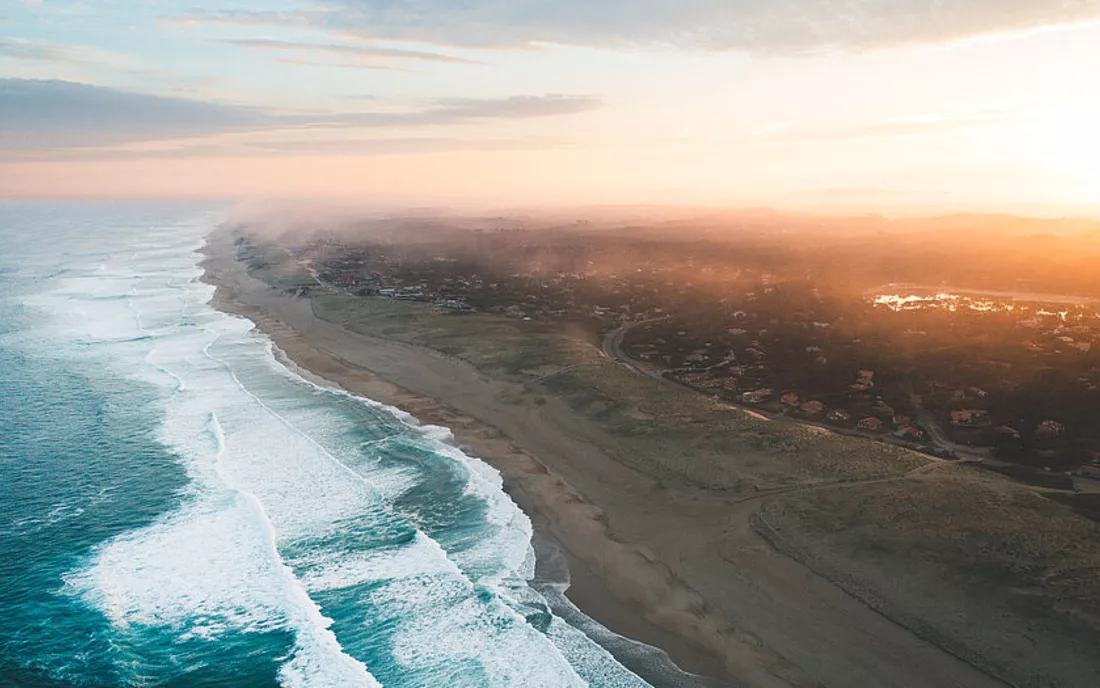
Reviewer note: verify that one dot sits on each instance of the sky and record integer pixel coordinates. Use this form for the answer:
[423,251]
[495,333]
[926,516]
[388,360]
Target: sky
[879,105]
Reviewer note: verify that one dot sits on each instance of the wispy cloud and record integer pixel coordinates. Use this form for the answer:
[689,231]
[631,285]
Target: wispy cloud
[346,50]
[403,145]
[919,124]
[302,62]
[43,51]
[243,17]
[31,50]
[296,147]
[754,25]
[513,107]
[50,114]
[44,115]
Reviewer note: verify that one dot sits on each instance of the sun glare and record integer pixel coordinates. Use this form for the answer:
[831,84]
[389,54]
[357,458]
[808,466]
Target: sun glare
[1069,143]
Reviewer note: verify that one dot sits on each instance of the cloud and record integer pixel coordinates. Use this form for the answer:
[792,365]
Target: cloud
[912,125]
[40,115]
[405,145]
[767,26]
[31,50]
[342,65]
[42,51]
[50,114]
[346,50]
[514,107]
[295,147]
[461,110]
[241,17]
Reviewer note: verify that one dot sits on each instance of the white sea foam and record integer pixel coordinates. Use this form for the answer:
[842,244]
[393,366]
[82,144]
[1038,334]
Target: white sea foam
[213,567]
[281,480]
[505,550]
[326,571]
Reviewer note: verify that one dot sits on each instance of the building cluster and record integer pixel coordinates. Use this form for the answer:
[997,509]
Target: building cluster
[868,365]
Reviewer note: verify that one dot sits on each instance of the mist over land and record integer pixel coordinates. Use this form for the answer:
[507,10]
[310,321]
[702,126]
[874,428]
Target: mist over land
[903,407]
[608,343]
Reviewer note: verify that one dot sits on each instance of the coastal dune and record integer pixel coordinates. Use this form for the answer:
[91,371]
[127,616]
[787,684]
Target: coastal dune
[666,561]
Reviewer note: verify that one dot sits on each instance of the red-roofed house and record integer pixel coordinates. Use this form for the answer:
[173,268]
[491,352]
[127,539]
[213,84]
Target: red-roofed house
[870,423]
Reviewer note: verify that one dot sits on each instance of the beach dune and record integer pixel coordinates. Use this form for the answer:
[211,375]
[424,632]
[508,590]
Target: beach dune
[672,563]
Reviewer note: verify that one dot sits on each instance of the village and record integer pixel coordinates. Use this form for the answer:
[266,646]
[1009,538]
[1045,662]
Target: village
[951,375]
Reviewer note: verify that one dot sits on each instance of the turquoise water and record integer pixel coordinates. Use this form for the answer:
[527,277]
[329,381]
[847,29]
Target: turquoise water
[177,508]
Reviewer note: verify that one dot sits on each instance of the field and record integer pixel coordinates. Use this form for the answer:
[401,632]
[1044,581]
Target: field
[999,574]
[1002,574]
[666,431]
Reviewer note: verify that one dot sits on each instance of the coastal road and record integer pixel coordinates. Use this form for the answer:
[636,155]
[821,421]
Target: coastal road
[613,348]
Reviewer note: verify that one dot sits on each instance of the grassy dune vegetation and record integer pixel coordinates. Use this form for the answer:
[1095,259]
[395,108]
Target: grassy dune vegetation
[666,431]
[956,554]
[1004,575]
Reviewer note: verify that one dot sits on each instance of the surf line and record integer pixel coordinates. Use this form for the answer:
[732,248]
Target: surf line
[317,624]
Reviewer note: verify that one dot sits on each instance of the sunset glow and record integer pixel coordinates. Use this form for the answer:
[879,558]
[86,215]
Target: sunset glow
[550,343]
[335,99]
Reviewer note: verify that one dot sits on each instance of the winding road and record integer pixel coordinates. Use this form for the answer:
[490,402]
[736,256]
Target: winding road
[613,348]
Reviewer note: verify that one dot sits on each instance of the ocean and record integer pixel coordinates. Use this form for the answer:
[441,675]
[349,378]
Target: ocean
[178,508]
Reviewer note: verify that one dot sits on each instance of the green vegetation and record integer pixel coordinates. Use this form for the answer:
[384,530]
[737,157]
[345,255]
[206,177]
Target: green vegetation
[808,322]
[663,430]
[993,571]
[1002,574]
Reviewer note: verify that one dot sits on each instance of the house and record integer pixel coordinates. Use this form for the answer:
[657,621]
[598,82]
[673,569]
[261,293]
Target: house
[865,380]
[909,432]
[1049,429]
[1089,472]
[454,305]
[870,423]
[969,418]
[697,356]
[813,407]
[838,416]
[789,399]
[1006,432]
[756,396]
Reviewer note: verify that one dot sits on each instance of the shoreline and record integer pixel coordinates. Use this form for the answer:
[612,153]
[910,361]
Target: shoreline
[556,571]
[559,575]
[672,566]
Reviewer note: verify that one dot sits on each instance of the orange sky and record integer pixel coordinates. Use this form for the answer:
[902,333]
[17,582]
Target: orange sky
[961,114]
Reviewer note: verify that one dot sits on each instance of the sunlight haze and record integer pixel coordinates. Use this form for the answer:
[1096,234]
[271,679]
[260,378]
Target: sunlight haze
[892,107]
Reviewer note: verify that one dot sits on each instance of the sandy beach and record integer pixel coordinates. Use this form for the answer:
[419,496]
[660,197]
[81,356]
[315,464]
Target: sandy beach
[669,563]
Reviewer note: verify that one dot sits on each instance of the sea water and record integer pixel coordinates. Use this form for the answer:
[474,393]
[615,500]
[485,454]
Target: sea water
[177,508]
